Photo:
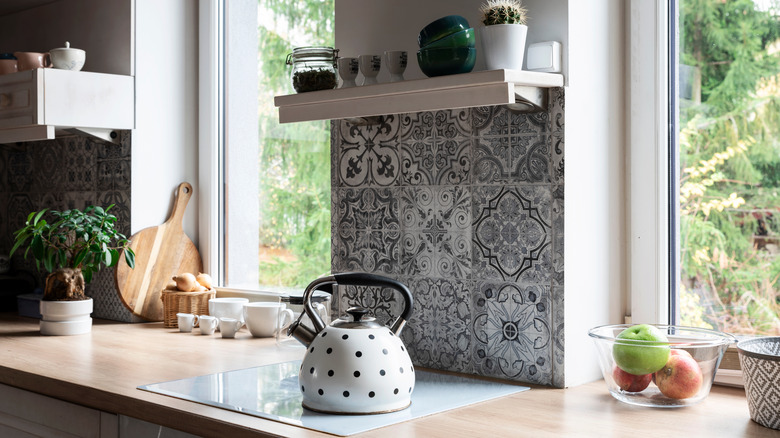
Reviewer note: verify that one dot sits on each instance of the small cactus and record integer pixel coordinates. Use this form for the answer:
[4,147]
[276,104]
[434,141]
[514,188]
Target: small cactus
[503,12]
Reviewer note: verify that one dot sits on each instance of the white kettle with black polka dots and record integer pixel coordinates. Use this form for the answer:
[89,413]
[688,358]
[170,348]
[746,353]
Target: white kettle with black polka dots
[355,365]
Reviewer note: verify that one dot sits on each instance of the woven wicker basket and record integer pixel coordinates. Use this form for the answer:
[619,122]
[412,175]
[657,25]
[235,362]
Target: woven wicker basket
[175,301]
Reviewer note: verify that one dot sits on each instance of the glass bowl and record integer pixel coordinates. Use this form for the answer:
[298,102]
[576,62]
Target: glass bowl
[681,381]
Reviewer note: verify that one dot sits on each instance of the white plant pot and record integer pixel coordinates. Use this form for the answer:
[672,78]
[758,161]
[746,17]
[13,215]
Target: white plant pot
[503,45]
[66,317]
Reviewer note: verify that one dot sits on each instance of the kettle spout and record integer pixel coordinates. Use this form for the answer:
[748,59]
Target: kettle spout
[303,334]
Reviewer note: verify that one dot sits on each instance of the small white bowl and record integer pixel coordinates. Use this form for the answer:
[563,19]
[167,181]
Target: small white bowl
[67,58]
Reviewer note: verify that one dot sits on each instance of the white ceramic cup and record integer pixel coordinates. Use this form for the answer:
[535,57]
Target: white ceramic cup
[186,321]
[264,319]
[208,324]
[227,308]
[369,66]
[348,70]
[229,327]
[396,61]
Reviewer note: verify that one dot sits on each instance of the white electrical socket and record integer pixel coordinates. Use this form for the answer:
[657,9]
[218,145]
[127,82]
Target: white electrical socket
[545,57]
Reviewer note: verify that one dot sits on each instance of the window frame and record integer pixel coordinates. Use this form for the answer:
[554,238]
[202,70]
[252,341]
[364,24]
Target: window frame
[228,175]
[211,139]
[651,171]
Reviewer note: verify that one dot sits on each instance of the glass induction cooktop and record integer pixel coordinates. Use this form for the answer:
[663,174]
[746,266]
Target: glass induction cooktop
[272,392]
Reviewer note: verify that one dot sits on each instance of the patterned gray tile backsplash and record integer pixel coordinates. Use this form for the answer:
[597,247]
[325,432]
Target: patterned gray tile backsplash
[68,172]
[465,207]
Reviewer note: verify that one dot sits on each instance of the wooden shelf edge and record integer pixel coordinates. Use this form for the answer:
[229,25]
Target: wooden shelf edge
[431,100]
[482,88]
[526,78]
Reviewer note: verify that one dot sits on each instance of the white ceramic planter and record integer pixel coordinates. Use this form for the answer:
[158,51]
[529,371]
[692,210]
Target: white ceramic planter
[66,317]
[503,45]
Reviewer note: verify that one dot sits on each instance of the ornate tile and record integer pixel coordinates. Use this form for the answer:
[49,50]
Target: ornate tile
[80,163]
[557,233]
[558,378]
[107,304]
[335,146]
[19,207]
[417,207]
[367,251]
[512,159]
[438,334]
[368,154]
[512,233]
[367,209]
[435,147]
[384,303]
[79,199]
[512,331]
[436,125]
[112,151]
[121,208]
[6,233]
[19,169]
[3,168]
[437,231]
[556,129]
[435,209]
[113,174]
[499,121]
[418,254]
[48,157]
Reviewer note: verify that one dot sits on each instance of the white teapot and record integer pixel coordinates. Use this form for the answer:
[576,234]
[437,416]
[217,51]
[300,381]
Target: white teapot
[355,365]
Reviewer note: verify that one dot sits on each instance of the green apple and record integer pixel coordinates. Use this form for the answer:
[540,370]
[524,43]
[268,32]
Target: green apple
[641,349]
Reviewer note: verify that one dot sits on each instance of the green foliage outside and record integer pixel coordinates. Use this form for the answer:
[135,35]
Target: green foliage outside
[294,158]
[730,167]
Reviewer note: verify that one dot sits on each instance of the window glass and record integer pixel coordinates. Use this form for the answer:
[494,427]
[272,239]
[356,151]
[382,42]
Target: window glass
[729,156]
[294,159]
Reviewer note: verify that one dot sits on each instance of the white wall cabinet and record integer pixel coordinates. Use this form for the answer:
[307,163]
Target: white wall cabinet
[36,104]
[26,414]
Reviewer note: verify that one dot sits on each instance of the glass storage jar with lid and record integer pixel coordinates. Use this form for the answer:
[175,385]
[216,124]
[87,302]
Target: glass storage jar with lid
[313,68]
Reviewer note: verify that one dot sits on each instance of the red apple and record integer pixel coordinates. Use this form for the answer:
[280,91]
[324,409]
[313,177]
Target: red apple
[630,382]
[675,352]
[680,378]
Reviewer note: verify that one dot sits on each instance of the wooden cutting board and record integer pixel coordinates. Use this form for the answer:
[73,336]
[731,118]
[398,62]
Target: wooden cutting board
[160,253]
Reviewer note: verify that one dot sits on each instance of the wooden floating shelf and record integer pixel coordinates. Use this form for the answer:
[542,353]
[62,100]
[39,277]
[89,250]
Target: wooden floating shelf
[484,88]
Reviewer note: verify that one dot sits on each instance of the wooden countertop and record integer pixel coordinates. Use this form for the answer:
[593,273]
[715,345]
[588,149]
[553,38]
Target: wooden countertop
[102,370]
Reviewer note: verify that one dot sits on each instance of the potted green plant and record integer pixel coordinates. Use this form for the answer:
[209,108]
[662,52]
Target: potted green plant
[503,36]
[72,245]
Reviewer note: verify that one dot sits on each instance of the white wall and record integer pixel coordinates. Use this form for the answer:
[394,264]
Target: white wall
[595,253]
[165,141]
[103,29]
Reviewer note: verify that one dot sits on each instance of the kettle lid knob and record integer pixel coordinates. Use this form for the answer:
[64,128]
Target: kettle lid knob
[357,313]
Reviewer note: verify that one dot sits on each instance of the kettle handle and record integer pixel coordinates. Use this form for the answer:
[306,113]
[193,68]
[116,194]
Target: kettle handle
[357,279]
